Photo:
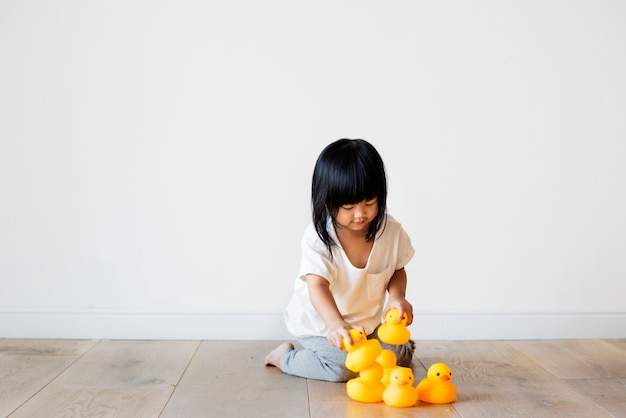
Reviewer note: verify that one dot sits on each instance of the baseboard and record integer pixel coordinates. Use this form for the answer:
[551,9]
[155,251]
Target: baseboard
[519,325]
[143,325]
[432,325]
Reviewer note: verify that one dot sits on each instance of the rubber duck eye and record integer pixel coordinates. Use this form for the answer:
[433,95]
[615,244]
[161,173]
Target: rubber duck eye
[438,374]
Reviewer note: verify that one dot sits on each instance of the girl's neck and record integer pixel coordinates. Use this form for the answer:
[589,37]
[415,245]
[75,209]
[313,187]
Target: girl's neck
[355,245]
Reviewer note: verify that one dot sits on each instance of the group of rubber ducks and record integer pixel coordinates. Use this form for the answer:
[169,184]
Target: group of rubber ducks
[381,380]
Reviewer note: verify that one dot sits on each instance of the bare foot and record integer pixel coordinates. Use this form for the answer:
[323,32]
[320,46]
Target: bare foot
[273,358]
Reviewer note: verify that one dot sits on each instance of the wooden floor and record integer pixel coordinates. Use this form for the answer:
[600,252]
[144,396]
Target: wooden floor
[63,378]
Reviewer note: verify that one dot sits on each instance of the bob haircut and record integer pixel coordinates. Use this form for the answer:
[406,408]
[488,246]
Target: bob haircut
[347,171]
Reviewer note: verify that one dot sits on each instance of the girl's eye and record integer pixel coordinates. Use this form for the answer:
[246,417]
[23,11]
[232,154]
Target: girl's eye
[347,207]
[370,202]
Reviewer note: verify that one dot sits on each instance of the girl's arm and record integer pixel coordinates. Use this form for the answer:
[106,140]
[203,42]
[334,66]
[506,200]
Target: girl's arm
[324,303]
[397,295]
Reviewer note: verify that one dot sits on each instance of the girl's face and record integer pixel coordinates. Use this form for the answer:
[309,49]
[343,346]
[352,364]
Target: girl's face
[357,216]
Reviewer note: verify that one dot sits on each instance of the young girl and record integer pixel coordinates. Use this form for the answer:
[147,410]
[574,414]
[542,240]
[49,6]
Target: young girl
[353,256]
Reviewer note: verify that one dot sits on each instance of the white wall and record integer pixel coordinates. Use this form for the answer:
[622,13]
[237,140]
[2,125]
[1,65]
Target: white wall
[155,160]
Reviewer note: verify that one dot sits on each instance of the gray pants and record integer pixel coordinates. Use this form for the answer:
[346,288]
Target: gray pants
[321,361]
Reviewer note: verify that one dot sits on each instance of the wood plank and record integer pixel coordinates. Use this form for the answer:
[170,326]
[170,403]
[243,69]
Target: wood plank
[577,359]
[620,343]
[609,394]
[229,379]
[115,378]
[130,365]
[101,403]
[22,376]
[495,380]
[45,346]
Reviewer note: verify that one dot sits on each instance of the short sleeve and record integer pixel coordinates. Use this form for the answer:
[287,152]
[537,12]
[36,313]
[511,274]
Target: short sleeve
[315,257]
[405,249]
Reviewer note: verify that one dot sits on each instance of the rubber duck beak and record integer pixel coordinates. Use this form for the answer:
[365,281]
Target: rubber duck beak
[446,378]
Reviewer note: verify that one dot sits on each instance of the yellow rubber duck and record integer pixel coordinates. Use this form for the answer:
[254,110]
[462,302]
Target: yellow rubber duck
[388,360]
[400,392]
[394,330]
[368,387]
[362,352]
[436,386]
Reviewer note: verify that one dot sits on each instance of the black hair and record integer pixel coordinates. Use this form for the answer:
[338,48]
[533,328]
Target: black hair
[347,171]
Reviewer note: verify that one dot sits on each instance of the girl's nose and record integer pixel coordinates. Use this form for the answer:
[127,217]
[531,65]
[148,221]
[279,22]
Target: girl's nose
[359,210]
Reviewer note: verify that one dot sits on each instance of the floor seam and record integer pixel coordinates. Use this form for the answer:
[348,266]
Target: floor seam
[80,356]
[182,375]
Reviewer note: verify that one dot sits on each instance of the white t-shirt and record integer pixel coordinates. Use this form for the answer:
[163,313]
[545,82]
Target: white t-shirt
[359,292]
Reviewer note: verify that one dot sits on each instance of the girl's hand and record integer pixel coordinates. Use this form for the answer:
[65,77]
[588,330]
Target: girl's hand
[397,289]
[338,332]
[403,306]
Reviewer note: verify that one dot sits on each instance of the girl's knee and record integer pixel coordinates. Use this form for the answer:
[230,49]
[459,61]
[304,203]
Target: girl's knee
[405,355]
